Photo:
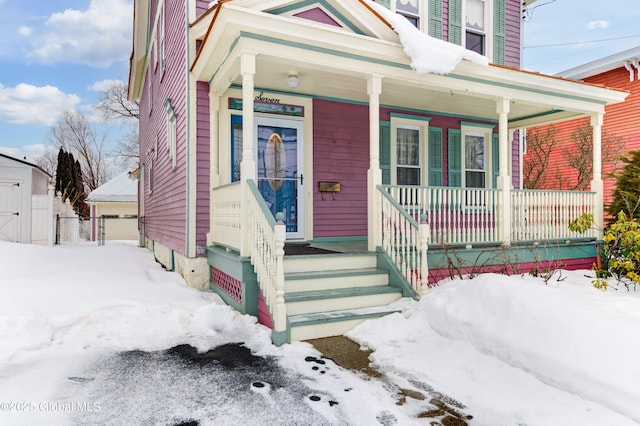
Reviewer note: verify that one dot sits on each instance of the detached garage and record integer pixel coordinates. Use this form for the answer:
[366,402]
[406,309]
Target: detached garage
[20,184]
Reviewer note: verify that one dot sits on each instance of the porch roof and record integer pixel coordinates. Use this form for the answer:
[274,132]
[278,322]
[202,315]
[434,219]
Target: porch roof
[335,62]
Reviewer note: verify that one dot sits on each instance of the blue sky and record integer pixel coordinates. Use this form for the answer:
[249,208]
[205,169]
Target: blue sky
[54,54]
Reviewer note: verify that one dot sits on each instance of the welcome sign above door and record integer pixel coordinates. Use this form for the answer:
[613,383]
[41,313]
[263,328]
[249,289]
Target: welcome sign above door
[269,106]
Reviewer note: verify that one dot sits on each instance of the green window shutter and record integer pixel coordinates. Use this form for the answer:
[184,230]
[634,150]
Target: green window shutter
[499,31]
[385,151]
[455,157]
[385,3]
[435,156]
[455,22]
[495,158]
[435,18]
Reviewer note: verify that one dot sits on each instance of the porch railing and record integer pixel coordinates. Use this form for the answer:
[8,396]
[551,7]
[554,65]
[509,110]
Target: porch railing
[545,215]
[455,215]
[404,239]
[266,245]
[226,207]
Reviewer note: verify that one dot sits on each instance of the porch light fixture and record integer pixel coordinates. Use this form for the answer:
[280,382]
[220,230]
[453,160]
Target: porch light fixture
[293,80]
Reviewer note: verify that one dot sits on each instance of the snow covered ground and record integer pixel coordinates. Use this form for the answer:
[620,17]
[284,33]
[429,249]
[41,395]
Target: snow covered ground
[91,335]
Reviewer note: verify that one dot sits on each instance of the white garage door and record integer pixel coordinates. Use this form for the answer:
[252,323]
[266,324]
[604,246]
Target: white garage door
[9,211]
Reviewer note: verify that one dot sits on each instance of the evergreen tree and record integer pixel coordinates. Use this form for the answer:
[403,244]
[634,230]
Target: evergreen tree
[69,182]
[626,196]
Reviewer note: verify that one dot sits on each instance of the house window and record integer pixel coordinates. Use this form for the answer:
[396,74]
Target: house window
[171,132]
[150,90]
[161,40]
[408,155]
[475,26]
[474,161]
[410,9]
[236,147]
[150,176]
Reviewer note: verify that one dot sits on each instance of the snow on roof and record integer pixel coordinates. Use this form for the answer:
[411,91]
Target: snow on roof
[428,54]
[120,188]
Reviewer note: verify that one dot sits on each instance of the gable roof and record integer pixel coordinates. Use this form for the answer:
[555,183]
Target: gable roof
[119,189]
[629,59]
[35,166]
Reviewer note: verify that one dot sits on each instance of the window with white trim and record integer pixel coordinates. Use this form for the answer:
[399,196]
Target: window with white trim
[476,25]
[410,9]
[408,142]
[161,41]
[171,132]
[150,90]
[150,176]
[477,156]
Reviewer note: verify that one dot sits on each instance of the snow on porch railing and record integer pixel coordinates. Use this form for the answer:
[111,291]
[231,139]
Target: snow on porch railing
[226,215]
[266,245]
[545,215]
[455,215]
[405,241]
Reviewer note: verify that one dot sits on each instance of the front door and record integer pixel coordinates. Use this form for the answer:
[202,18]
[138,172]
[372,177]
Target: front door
[280,170]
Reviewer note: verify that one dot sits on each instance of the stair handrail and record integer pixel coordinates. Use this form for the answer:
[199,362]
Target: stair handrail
[266,246]
[405,241]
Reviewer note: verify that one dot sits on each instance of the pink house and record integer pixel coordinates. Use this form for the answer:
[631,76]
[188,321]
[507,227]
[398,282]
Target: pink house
[313,161]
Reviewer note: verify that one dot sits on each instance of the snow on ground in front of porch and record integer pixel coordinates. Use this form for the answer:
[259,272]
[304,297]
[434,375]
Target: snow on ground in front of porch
[512,350]
[428,54]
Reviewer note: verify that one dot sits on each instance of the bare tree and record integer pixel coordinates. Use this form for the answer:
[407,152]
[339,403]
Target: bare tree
[580,154]
[540,144]
[48,162]
[115,104]
[73,133]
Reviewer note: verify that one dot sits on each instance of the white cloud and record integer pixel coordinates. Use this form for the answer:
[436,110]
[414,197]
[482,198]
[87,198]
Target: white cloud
[25,31]
[97,36]
[28,152]
[103,85]
[597,24]
[27,104]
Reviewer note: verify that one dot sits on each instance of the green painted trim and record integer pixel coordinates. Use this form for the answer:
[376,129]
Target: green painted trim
[279,338]
[323,3]
[173,260]
[240,268]
[500,255]
[473,124]
[396,278]
[337,239]
[318,321]
[542,114]
[400,66]
[499,31]
[409,116]
[435,18]
[455,22]
[225,297]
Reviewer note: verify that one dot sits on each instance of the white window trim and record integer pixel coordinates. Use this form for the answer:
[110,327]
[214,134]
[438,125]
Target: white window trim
[422,14]
[488,27]
[150,176]
[486,132]
[408,123]
[161,38]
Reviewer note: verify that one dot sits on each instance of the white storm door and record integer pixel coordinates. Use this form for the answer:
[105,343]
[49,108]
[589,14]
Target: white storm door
[9,211]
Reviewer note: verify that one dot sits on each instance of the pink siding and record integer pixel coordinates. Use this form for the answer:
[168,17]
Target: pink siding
[340,154]
[436,275]
[165,208]
[202,164]
[318,15]
[264,317]
[512,36]
[201,7]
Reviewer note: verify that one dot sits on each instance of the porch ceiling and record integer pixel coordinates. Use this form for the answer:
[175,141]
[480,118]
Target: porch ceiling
[333,63]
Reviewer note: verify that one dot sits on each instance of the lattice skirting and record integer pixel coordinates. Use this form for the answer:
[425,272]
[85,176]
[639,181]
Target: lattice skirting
[230,285]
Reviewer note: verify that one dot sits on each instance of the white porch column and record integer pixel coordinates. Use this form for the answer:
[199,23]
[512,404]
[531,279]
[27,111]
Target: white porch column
[597,185]
[248,164]
[374,175]
[504,179]
[214,152]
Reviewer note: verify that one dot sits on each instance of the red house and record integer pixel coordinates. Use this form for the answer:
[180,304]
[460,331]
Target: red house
[620,71]
[313,161]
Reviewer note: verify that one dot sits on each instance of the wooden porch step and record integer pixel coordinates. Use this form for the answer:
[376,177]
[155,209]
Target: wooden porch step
[307,302]
[326,262]
[335,323]
[325,280]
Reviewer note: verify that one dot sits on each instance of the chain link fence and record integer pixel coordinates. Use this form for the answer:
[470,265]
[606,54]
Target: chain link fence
[99,229]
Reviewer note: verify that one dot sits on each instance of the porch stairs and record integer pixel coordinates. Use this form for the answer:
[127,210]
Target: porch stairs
[329,294]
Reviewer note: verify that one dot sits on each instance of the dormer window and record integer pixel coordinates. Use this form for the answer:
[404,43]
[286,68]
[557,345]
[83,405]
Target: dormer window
[475,26]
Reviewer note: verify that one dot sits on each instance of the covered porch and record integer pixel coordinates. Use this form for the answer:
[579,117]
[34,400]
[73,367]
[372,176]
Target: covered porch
[362,67]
